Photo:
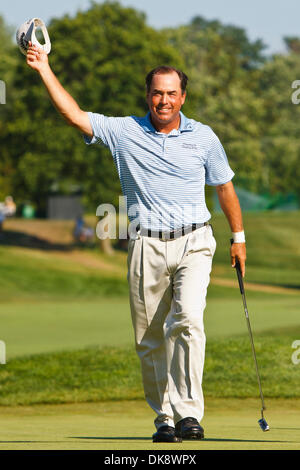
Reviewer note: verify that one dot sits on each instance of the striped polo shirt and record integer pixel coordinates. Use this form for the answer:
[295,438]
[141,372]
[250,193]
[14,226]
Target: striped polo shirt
[163,176]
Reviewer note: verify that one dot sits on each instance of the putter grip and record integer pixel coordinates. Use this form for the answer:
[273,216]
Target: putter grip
[239,273]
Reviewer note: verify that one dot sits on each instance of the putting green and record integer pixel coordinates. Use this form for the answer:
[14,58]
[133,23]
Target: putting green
[30,327]
[230,424]
[41,327]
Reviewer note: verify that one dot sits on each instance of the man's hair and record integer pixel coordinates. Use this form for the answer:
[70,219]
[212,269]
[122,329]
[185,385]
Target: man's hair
[165,69]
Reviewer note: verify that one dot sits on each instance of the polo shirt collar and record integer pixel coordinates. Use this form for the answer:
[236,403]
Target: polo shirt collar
[185,124]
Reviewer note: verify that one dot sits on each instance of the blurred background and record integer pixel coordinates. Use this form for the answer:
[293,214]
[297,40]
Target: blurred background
[63,292]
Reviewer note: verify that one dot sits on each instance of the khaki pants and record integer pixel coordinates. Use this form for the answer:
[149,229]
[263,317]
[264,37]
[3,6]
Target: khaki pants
[168,282]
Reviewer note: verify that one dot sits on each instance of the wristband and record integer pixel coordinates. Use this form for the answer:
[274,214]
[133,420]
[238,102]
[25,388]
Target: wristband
[239,237]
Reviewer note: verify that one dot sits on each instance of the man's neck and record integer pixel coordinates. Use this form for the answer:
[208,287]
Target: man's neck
[165,128]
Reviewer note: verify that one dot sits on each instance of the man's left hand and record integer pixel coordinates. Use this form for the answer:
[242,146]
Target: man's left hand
[238,253]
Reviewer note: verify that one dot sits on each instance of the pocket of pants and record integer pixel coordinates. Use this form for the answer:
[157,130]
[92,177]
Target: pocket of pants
[201,240]
[212,243]
[131,243]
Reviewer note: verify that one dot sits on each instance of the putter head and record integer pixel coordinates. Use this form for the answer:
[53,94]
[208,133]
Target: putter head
[263,424]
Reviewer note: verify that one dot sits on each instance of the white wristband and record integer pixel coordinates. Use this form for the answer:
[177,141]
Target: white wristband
[239,237]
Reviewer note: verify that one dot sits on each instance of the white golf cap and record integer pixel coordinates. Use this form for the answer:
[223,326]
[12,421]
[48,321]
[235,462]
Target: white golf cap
[26,33]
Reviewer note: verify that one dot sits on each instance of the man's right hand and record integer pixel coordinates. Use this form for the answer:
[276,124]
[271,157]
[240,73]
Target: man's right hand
[37,58]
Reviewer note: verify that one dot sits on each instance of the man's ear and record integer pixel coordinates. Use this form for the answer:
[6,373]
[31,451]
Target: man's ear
[183,97]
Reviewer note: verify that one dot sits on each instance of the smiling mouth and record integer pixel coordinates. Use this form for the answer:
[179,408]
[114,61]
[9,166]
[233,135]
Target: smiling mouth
[163,110]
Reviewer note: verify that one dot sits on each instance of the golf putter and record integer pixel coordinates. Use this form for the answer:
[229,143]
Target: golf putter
[262,422]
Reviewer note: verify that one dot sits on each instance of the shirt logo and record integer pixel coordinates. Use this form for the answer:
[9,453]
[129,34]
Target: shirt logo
[189,146]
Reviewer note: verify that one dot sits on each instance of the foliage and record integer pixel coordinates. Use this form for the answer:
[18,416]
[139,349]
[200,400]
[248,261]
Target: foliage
[246,98]
[222,65]
[280,144]
[7,72]
[101,57]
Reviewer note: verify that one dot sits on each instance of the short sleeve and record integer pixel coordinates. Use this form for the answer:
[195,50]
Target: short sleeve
[217,169]
[106,130]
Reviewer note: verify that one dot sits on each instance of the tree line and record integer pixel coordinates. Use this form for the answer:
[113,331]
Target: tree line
[101,56]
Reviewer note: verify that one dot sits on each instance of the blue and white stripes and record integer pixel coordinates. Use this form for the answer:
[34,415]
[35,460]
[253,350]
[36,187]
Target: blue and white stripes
[163,175]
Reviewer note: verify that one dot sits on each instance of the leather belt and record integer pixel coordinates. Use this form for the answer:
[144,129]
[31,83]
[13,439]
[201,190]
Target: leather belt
[165,235]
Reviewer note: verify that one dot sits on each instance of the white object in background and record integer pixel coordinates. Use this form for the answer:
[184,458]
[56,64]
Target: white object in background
[26,33]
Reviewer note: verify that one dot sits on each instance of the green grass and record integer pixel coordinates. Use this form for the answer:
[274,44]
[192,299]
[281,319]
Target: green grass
[230,370]
[46,326]
[224,314]
[91,374]
[99,374]
[25,276]
[38,326]
[273,249]
[273,258]
[66,323]
[229,424]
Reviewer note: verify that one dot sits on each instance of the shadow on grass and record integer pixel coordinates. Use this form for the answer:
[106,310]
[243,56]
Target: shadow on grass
[30,442]
[14,238]
[243,440]
[272,284]
[21,239]
[120,438]
[287,429]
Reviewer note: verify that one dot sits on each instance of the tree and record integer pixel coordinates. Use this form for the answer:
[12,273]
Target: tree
[101,56]
[223,68]
[292,43]
[246,98]
[280,142]
[7,73]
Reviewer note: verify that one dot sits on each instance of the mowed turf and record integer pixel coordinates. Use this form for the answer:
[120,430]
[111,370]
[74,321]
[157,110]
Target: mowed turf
[39,326]
[229,424]
[105,374]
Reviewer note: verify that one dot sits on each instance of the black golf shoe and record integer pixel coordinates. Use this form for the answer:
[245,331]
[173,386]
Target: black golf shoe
[166,434]
[189,428]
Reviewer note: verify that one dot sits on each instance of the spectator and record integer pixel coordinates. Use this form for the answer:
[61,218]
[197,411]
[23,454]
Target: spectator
[2,217]
[10,206]
[82,232]
[7,209]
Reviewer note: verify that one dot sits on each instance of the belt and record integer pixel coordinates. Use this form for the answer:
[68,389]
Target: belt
[165,235]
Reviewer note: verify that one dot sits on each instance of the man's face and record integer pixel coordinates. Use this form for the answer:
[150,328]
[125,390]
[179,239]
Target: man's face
[165,98]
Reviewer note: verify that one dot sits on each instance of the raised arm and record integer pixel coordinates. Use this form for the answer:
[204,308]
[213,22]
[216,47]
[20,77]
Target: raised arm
[37,59]
[231,207]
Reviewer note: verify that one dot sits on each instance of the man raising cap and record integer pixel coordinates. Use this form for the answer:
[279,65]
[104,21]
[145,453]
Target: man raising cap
[164,160]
